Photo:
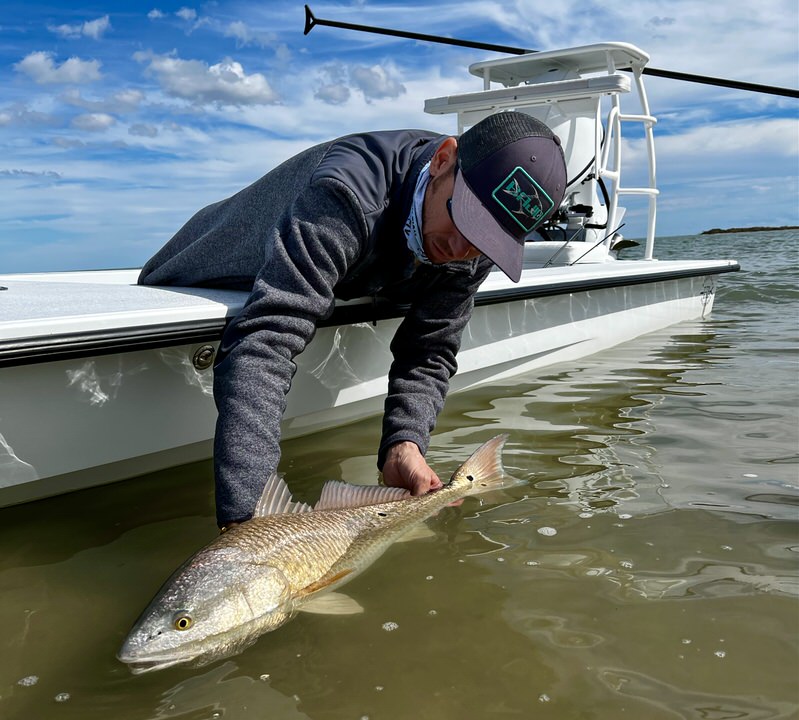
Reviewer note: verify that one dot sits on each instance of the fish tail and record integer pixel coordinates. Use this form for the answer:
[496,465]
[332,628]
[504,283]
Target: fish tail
[483,471]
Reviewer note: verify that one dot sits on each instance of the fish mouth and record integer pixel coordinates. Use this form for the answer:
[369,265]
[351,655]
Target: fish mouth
[139,664]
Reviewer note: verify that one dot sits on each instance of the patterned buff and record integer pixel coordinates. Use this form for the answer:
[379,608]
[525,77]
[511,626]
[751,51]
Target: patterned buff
[413,225]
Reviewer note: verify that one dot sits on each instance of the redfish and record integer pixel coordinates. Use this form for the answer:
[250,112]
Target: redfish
[288,557]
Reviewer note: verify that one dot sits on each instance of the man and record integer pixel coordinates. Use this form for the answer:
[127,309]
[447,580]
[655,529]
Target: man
[410,215]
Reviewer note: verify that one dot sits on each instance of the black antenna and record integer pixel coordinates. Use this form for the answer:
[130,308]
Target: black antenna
[312,21]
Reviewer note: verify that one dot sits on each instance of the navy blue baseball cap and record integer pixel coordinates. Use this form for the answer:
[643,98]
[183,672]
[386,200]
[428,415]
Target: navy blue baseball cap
[510,179]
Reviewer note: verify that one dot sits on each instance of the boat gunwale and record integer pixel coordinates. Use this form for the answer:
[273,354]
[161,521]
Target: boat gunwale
[17,352]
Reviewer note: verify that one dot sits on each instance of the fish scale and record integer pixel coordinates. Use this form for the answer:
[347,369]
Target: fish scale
[304,546]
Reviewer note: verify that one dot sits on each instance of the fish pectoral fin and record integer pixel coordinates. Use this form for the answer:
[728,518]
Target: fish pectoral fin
[332,604]
[324,582]
[328,603]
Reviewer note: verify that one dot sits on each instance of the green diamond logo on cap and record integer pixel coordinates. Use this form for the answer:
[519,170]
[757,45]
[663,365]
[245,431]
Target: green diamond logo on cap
[523,199]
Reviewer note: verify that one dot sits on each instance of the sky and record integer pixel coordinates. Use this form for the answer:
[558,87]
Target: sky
[119,120]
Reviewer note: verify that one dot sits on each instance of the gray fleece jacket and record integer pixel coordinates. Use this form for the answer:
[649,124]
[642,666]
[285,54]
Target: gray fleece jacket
[326,224]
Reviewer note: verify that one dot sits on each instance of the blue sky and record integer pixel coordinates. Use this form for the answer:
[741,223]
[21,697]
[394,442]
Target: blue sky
[118,120]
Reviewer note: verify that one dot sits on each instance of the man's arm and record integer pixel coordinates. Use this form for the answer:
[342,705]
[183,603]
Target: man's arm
[425,348]
[306,254]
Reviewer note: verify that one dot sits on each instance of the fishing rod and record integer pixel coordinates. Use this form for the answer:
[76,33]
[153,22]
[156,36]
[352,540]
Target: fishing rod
[612,232]
[311,21]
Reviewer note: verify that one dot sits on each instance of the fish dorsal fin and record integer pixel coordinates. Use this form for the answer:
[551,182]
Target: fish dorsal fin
[337,495]
[276,499]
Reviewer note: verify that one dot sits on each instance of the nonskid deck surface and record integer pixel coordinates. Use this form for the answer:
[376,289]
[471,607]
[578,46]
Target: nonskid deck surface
[53,302]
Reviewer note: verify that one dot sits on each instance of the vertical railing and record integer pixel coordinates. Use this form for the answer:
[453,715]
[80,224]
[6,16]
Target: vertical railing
[614,122]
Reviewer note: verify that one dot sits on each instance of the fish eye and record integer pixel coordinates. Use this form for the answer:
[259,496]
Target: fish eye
[183,621]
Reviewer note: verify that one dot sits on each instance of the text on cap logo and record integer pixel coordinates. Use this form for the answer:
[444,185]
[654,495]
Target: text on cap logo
[523,199]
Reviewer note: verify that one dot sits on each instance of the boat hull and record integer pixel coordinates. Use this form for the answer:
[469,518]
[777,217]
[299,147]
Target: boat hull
[101,416]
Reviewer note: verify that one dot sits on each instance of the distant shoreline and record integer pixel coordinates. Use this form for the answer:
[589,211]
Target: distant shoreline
[719,231]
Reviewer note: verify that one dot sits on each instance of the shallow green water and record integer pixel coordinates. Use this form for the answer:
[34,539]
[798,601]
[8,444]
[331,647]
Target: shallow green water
[666,467]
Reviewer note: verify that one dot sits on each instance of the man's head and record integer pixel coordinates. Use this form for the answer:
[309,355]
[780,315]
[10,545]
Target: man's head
[505,176]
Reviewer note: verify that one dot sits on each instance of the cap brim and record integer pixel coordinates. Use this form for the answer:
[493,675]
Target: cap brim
[480,228]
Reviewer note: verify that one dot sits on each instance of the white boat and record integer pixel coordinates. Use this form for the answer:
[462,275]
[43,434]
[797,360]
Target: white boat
[102,379]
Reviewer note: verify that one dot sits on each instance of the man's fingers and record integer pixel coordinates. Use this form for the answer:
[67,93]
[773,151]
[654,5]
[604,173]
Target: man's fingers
[426,483]
[406,467]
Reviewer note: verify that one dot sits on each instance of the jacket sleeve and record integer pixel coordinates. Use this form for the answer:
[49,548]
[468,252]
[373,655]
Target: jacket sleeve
[424,348]
[308,250]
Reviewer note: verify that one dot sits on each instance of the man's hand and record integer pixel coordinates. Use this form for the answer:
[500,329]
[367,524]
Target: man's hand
[406,467]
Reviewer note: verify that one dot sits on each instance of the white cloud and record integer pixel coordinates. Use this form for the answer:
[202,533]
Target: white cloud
[283,54]
[33,174]
[127,99]
[143,130]
[96,28]
[225,83]
[659,21]
[155,14]
[91,28]
[120,102]
[20,115]
[187,14]
[376,82]
[93,122]
[68,143]
[40,67]
[332,94]
[333,89]
[736,142]
[245,35]
[240,31]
